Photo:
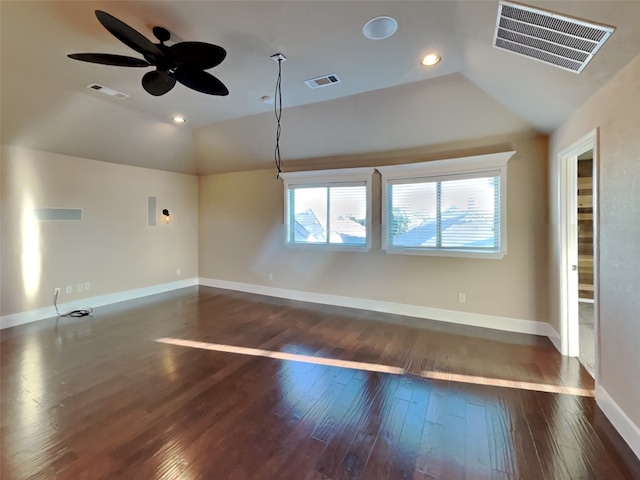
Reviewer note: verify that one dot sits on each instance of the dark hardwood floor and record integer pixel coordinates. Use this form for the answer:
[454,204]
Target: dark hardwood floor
[98,398]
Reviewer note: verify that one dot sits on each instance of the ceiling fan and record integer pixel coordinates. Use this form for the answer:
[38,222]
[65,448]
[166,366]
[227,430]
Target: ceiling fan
[184,62]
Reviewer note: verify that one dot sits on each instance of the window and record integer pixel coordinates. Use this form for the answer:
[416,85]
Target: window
[329,209]
[451,207]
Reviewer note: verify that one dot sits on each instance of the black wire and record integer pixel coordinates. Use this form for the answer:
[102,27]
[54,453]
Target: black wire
[73,313]
[278,111]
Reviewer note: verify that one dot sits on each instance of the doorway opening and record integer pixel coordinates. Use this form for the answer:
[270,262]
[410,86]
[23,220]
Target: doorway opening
[579,240]
[586,321]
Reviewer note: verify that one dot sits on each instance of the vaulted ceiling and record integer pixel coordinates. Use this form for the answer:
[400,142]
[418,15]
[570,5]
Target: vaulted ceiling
[385,101]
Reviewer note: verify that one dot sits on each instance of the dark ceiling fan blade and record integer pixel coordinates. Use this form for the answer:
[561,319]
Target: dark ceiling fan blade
[198,55]
[129,36]
[108,59]
[158,82]
[201,81]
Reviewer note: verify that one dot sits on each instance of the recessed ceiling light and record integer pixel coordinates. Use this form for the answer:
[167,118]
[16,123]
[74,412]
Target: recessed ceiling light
[430,59]
[380,28]
[179,119]
[267,100]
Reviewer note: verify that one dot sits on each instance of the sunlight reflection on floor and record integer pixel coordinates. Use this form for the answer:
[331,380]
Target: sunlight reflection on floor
[374,367]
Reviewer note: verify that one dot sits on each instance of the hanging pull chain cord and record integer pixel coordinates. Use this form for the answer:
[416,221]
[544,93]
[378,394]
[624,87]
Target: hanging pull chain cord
[278,112]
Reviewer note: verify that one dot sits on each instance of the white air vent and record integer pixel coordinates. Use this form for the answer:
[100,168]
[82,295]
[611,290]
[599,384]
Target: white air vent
[548,37]
[323,81]
[107,91]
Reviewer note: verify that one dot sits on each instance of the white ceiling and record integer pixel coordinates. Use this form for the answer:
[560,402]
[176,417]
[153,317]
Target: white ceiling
[386,100]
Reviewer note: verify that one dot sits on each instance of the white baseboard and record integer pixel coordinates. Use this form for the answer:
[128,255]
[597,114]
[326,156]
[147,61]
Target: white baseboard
[20,318]
[464,318]
[452,316]
[628,430]
[554,336]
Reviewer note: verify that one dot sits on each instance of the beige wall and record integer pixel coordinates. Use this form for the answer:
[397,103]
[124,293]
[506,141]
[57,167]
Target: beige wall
[615,111]
[440,110]
[241,240]
[112,247]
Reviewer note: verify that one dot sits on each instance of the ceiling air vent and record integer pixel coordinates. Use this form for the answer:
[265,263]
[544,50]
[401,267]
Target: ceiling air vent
[107,91]
[548,37]
[323,81]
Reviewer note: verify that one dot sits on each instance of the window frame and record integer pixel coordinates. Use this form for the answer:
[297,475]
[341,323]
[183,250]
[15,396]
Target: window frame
[343,177]
[439,170]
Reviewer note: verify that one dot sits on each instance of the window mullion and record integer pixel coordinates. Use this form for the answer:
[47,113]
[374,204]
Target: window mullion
[291,215]
[497,234]
[438,215]
[390,220]
[328,239]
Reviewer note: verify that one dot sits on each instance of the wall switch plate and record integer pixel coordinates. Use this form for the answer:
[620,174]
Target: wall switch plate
[462,298]
[79,287]
[69,288]
[270,276]
[87,286]
[178,271]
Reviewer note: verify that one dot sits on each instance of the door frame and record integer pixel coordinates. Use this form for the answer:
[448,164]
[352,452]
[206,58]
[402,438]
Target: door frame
[568,163]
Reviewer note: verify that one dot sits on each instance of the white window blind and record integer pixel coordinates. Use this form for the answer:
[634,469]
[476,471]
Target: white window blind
[456,213]
[453,207]
[328,209]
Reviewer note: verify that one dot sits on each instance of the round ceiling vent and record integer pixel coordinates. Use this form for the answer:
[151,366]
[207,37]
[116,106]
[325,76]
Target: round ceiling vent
[380,28]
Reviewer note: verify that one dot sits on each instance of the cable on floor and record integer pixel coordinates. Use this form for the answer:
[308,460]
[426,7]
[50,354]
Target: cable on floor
[83,312]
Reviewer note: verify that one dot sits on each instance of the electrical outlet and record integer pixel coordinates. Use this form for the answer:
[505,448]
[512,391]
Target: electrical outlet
[87,286]
[69,288]
[270,276]
[79,287]
[178,271]
[462,298]
[56,291]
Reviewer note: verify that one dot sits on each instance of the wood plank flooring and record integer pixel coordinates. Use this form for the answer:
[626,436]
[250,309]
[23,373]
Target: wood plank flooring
[100,398]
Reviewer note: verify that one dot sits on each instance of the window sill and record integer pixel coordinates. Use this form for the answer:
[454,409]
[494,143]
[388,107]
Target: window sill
[446,253]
